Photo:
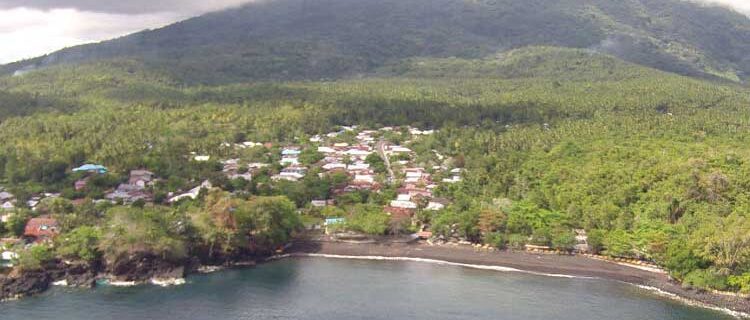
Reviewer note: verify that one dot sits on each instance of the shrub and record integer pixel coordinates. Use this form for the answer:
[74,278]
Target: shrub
[81,244]
[495,239]
[740,282]
[34,258]
[563,239]
[517,241]
[704,279]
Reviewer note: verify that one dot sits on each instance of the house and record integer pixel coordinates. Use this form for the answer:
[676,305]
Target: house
[333,222]
[80,184]
[358,166]
[326,150]
[415,192]
[141,178]
[247,176]
[193,193]
[334,166]
[319,203]
[6,196]
[582,238]
[41,229]
[33,202]
[437,204]
[7,257]
[202,158]
[289,161]
[403,204]
[290,152]
[364,178]
[91,168]
[399,149]
[452,179]
[130,193]
[358,153]
[292,173]
[251,144]
[7,206]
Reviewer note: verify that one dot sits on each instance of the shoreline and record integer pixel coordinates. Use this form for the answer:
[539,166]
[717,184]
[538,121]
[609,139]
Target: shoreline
[523,262]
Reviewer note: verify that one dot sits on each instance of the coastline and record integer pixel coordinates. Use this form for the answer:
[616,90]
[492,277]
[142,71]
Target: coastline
[523,262]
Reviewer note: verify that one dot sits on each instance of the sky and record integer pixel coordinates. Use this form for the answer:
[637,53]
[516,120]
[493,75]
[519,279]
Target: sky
[30,28]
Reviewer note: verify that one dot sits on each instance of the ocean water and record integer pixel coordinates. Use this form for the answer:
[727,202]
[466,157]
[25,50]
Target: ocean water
[334,289]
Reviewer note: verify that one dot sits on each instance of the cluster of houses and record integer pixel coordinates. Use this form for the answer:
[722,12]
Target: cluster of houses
[293,170]
[351,160]
[232,170]
[135,189]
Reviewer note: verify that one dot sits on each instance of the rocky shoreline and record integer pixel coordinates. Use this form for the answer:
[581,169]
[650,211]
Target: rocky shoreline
[568,265]
[134,270]
[146,269]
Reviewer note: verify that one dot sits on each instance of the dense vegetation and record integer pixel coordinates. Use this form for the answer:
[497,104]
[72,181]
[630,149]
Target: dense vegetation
[314,39]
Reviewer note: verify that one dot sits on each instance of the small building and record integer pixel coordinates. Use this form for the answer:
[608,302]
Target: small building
[334,166]
[141,178]
[331,222]
[7,206]
[319,203]
[290,152]
[7,258]
[364,178]
[6,196]
[437,204]
[130,193]
[41,229]
[287,160]
[91,168]
[403,204]
[193,193]
[326,150]
[202,158]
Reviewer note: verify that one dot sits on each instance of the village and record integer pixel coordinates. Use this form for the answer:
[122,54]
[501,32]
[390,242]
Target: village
[362,161]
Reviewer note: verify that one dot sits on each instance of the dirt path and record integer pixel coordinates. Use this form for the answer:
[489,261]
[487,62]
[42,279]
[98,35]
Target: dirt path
[380,147]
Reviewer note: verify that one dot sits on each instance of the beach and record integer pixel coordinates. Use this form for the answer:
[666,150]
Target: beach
[543,264]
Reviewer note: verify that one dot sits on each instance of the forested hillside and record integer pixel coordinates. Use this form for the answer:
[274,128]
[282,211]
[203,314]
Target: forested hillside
[331,39]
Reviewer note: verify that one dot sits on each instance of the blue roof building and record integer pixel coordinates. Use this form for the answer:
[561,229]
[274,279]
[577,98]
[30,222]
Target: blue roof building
[290,152]
[330,221]
[91,168]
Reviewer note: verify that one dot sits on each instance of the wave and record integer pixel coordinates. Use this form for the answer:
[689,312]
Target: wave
[433,261]
[691,302]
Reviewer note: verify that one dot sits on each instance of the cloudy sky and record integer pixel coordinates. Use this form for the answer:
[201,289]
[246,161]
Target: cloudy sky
[29,28]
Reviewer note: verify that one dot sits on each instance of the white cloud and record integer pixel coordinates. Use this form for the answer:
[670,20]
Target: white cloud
[27,33]
[125,6]
[30,28]
[739,5]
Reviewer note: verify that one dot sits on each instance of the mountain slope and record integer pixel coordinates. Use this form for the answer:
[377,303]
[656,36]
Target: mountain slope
[314,39]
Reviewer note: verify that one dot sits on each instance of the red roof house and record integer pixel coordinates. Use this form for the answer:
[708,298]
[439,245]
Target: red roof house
[41,229]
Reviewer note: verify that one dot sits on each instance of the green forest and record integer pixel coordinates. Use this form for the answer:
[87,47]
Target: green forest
[654,165]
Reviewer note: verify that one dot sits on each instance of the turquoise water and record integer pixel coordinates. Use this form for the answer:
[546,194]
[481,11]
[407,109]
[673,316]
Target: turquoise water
[316,288]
